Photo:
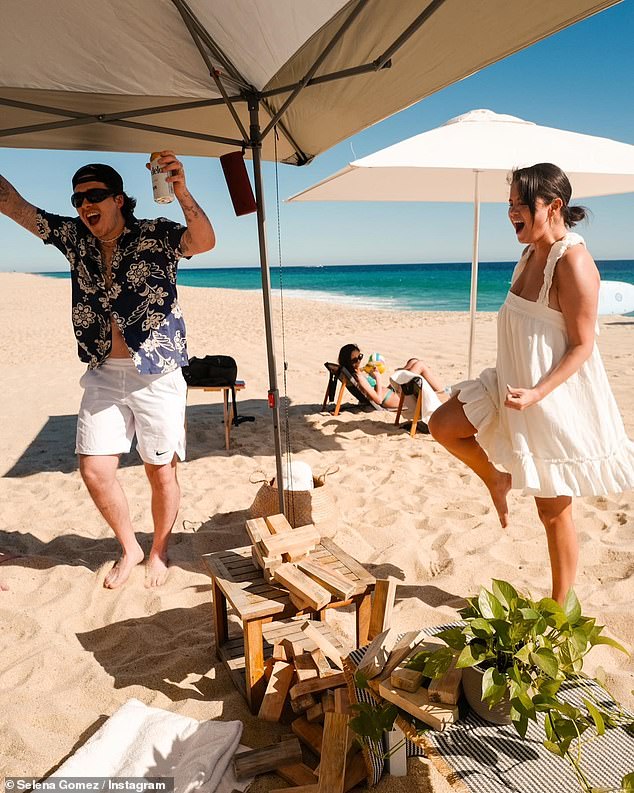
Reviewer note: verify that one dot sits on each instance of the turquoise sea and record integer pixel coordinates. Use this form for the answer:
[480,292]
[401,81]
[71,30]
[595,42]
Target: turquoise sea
[407,287]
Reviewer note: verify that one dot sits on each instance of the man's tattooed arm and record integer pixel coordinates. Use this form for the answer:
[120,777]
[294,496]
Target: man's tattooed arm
[199,235]
[15,207]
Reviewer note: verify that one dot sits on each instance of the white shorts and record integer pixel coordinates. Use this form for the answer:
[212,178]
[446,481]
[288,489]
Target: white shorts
[119,403]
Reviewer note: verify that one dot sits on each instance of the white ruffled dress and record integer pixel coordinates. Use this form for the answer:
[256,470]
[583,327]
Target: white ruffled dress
[572,442]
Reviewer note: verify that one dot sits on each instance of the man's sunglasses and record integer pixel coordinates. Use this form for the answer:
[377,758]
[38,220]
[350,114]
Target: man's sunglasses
[358,359]
[95,196]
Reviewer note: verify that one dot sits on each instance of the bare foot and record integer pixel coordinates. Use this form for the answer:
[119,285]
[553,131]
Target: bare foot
[121,569]
[155,570]
[499,491]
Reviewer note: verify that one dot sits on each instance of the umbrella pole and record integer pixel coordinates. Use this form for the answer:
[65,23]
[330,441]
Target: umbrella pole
[274,394]
[473,302]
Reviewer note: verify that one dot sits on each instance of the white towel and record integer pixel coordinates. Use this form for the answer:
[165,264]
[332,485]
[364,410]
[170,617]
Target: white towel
[139,741]
[430,399]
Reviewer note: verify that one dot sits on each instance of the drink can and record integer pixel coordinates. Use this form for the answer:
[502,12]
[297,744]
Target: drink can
[162,189]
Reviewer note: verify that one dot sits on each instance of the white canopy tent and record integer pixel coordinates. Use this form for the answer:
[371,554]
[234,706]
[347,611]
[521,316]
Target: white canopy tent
[469,158]
[208,76]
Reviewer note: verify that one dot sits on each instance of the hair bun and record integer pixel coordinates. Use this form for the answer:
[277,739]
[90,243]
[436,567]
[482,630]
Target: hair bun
[574,214]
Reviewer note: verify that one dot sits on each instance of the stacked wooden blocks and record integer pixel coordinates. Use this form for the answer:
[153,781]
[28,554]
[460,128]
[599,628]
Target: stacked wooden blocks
[283,554]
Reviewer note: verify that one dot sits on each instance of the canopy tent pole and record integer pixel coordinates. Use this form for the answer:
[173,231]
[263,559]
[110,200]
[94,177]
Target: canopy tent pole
[274,394]
[473,302]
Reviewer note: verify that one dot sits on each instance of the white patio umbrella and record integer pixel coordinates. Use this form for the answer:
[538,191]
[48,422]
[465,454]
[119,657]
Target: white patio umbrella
[469,158]
[208,76]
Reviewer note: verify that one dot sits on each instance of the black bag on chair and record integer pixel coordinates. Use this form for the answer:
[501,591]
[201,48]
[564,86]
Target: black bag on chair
[215,371]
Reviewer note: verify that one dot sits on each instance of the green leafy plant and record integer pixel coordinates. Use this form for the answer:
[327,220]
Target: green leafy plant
[527,649]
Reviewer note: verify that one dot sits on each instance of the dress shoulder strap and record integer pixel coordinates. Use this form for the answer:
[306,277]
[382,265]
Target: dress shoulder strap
[556,252]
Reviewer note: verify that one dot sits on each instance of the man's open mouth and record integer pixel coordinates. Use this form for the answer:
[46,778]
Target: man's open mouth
[519,226]
[92,218]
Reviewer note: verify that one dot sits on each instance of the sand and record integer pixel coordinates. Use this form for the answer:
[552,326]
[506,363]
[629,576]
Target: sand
[73,652]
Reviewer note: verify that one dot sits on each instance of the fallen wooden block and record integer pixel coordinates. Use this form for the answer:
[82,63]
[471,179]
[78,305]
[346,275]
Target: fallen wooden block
[299,603]
[276,691]
[305,667]
[297,774]
[302,703]
[382,606]
[333,581]
[279,653]
[316,713]
[265,562]
[332,767]
[292,647]
[328,701]
[301,585]
[446,689]
[318,684]
[417,704]
[377,654]
[356,772]
[309,733]
[268,758]
[328,649]
[402,655]
[323,667]
[401,650]
[303,539]
[406,679]
[342,700]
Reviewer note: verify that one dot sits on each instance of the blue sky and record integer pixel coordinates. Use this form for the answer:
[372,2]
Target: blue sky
[581,79]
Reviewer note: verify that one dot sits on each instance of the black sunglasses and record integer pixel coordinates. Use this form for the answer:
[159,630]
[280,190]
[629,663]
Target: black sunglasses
[358,358]
[94,195]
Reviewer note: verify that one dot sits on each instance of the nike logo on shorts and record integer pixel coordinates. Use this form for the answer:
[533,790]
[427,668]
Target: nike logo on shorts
[160,454]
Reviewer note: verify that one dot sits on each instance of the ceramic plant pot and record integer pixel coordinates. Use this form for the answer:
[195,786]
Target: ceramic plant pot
[472,687]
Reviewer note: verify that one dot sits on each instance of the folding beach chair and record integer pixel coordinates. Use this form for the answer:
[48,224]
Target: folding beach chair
[339,374]
[404,383]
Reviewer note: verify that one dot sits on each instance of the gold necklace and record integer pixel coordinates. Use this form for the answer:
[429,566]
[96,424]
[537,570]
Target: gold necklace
[112,239]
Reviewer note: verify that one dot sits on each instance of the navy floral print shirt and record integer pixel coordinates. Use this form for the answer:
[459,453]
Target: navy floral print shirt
[142,298]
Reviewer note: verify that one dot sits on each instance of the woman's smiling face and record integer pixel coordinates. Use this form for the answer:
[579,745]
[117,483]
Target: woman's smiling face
[527,228]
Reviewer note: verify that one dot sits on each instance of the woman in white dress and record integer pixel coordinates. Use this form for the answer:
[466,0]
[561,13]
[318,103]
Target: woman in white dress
[545,414]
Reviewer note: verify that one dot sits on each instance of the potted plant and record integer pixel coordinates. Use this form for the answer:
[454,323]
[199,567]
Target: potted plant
[517,654]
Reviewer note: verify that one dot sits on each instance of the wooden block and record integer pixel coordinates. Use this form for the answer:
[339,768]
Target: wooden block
[419,706]
[268,758]
[297,774]
[356,772]
[299,603]
[300,789]
[328,649]
[265,562]
[342,700]
[277,524]
[294,541]
[328,701]
[276,691]
[318,684]
[303,703]
[316,713]
[402,649]
[309,733]
[332,768]
[377,654]
[292,647]
[279,653]
[305,667]
[397,760]
[296,556]
[257,529]
[382,606]
[336,583]
[323,667]
[446,689]
[406,679]
[302,586]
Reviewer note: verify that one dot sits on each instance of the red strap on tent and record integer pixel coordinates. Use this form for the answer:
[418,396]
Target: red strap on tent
[271,399]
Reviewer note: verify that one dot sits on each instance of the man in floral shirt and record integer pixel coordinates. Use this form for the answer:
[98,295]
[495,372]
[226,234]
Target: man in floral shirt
[130,331]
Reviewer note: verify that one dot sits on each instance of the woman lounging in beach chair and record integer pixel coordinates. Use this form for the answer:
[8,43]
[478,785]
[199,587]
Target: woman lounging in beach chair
[371,385]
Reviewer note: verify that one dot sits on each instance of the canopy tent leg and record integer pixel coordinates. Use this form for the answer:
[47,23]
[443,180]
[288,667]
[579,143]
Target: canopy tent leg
[473,301]
[256,142]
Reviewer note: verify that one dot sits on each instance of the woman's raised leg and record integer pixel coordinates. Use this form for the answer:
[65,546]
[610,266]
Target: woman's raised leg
[563,548]
[451,428]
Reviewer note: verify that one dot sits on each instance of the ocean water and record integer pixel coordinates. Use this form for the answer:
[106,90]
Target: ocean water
[406,287]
